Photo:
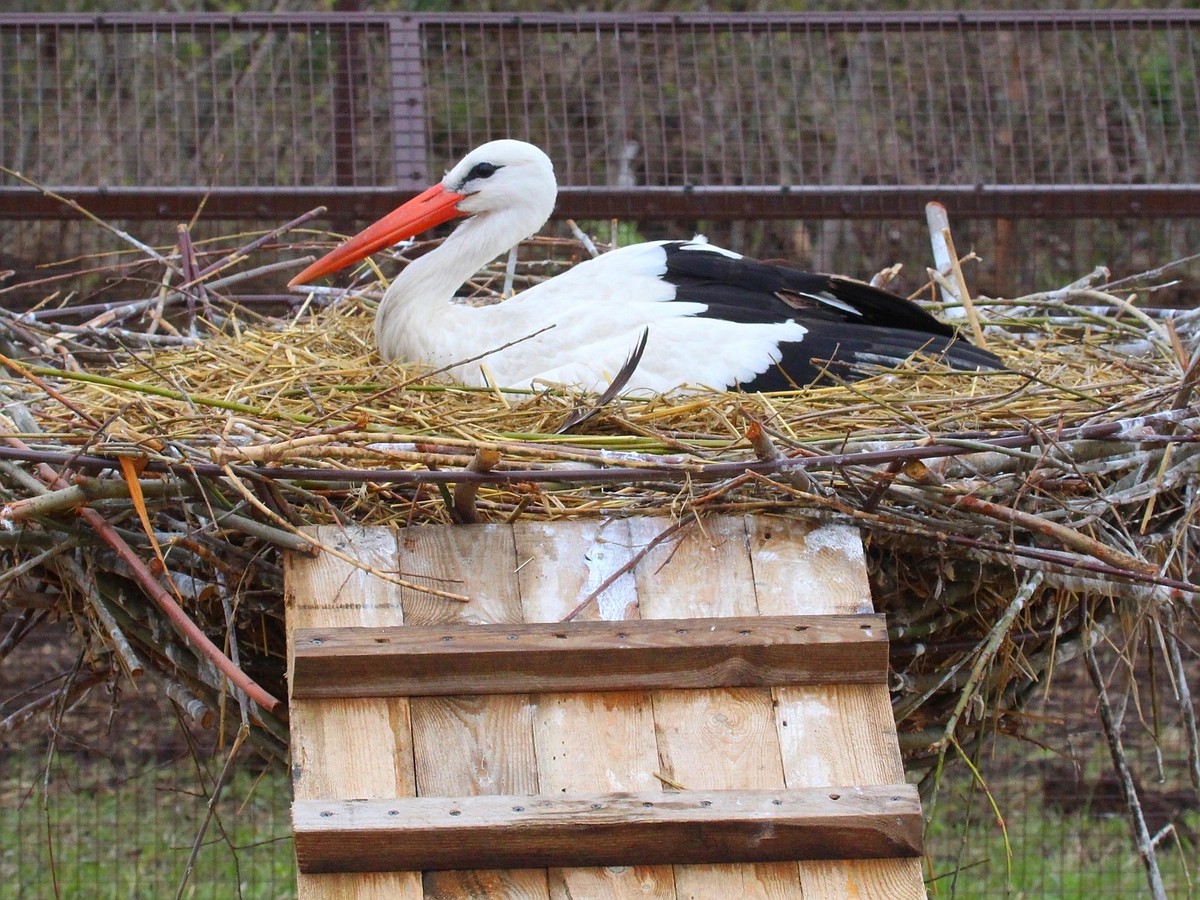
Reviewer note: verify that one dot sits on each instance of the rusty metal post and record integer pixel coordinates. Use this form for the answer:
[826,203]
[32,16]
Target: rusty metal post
[408,102]
[348,60]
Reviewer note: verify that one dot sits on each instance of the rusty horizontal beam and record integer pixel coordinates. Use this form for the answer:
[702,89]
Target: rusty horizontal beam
[1021,20]
[834,21]
[1004,201]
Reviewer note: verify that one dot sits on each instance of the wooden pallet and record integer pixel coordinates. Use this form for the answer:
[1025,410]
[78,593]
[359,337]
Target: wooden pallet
[717,725]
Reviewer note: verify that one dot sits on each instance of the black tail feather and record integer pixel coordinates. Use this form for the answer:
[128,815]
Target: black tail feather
[830,354]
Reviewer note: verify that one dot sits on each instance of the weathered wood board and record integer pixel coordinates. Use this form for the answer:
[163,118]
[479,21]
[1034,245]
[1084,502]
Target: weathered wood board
[650,828]
[588,656]
[566,743]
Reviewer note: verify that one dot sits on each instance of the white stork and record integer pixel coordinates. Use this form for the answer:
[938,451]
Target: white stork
[710,317]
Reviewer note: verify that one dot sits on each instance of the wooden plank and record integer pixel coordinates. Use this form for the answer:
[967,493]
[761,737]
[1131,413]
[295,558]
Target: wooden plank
[608,829]
[589,656]
[562,564]
[593,741]
[801,569]
[470,745]
[712,739]
[378,763]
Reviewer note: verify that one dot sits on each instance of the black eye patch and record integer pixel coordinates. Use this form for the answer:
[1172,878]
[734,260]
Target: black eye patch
[481,170]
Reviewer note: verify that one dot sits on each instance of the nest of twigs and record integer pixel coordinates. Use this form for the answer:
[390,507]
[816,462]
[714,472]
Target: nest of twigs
[160,455]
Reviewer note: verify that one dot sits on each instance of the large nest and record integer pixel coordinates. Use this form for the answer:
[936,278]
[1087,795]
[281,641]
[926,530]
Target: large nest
[1012,519]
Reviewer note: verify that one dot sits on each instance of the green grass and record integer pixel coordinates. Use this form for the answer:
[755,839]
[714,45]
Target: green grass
[1053,855]
[122,833]
[125,831]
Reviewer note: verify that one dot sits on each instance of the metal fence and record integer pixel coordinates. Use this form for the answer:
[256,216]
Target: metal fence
[646,115]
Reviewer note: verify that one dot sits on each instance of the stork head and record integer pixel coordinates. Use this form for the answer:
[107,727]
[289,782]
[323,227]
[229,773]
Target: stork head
[501,175]
[506,177]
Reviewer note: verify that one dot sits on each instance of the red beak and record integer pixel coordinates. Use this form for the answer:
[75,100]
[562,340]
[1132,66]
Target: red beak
[421,213]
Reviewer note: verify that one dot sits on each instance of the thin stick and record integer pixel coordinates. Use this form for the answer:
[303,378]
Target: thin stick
[1137,820]
[29,376]
[1125,434]
[114,312]
[83,491]
[766,451]
[269,533]
[1180,677]
[608,582]
[191,275]
[174,612]
[242,252]
[67,695]
[222,780]
[464,492]
[182,696]
[1068,537]
[964,295]
[938,222]
[15,572]
[995,639]
[510,272]
[28,620]
[583,238]
[125,236]
[1151,273]
[124,650]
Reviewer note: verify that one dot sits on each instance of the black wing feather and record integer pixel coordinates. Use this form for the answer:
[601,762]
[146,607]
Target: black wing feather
[852,326]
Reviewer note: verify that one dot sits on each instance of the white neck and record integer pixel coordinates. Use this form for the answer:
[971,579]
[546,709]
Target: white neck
[417,320]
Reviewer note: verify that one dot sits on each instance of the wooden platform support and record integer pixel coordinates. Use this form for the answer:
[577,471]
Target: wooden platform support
[588,656]
[608,829]
[752,755]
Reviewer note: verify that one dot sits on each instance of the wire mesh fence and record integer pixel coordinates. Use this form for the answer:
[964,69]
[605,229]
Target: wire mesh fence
[841,102]
[108,797]
[108,828]
[1060,827]
[1054,114]
[186,103]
